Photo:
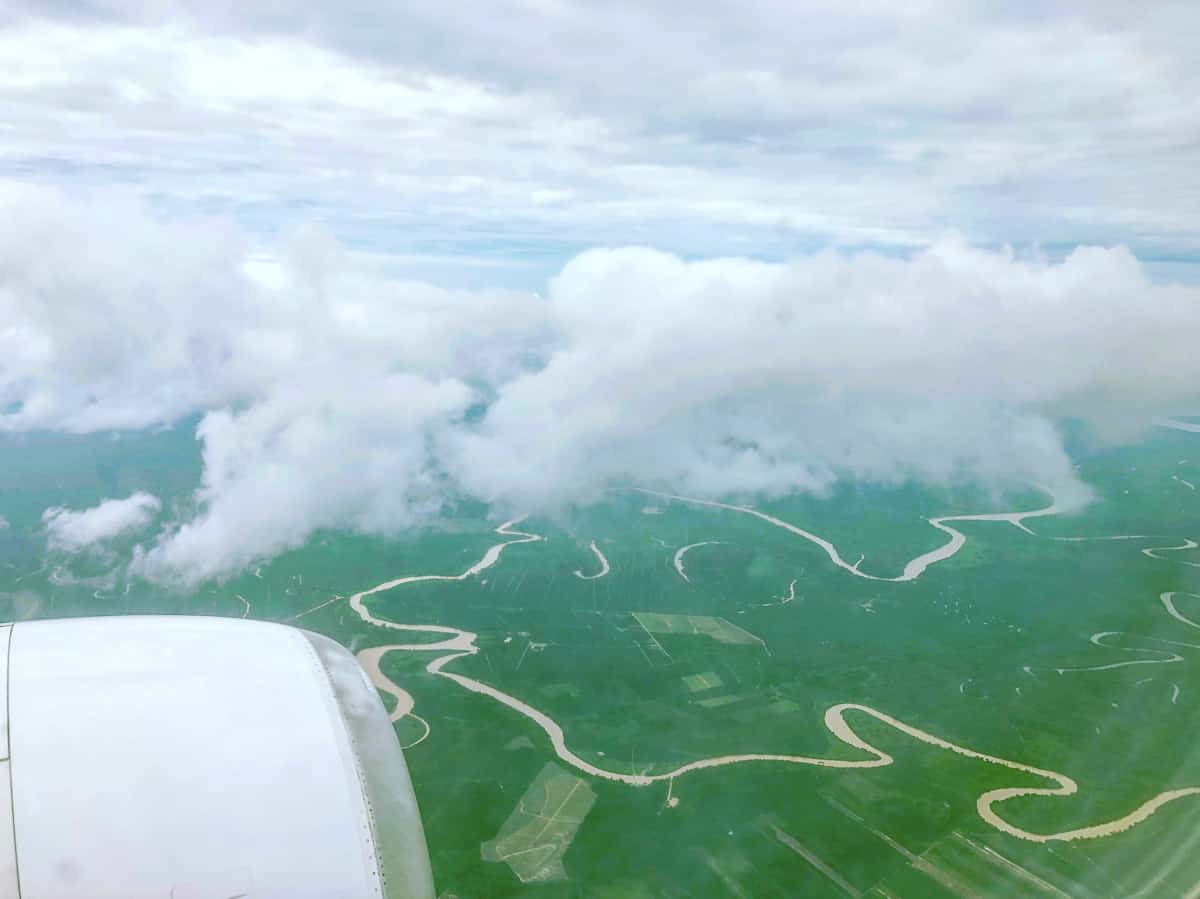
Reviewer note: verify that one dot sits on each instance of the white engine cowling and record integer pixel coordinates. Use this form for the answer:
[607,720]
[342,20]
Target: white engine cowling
[198,758]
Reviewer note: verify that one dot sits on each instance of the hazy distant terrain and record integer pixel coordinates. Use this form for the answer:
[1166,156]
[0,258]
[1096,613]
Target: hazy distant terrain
[738,645]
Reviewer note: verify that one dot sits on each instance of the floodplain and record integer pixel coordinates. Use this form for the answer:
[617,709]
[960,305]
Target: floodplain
[586,712]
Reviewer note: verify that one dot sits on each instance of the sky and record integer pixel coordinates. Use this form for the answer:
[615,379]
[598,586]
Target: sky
[390,255]
[482,146]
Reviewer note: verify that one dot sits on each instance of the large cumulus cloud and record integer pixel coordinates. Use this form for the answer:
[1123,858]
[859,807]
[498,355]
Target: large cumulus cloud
[731,374]
[352,453]
[334,397]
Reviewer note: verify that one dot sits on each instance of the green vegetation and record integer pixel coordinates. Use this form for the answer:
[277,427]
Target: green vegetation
[646,672]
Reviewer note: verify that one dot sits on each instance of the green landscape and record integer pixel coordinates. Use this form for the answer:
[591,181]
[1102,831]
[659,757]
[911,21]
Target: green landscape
[655,633]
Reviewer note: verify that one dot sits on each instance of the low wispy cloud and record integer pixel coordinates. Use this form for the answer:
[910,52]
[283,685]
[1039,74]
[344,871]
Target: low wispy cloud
[71,530]
[331,396]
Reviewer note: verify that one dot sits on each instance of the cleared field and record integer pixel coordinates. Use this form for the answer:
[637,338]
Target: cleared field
[706,681]
[542,826]
[695,625]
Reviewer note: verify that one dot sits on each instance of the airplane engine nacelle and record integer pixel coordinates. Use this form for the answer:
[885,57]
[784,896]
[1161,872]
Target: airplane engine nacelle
[198,758]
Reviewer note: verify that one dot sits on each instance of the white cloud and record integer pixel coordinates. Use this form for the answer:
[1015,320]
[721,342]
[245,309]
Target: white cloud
[733,375]
[352,454]
[333,396]
[528,130]
[114,318]
[72,531]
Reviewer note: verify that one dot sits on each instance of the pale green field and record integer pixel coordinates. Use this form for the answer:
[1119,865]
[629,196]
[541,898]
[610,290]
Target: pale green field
[646,672]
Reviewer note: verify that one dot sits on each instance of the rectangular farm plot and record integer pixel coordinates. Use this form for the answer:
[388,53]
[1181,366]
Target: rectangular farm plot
[700,625]
[715,702]
[535,836]
[707,681]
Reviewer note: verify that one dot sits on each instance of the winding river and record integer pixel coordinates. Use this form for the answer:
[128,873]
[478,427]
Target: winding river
[913,570]
[457,643]
[604,566]
[683,550]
